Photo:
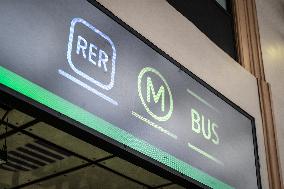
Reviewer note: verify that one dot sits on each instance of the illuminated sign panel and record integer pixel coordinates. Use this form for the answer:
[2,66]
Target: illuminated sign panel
[74,59]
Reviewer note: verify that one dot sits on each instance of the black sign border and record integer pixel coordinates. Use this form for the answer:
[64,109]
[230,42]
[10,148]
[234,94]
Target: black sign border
[11,98]
[192,75]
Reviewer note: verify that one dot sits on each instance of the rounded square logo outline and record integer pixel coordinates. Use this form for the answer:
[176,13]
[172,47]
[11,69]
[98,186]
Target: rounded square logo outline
[69,51]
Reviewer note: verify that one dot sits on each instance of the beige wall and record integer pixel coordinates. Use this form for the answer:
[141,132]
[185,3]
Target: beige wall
[170,31]
[271,25]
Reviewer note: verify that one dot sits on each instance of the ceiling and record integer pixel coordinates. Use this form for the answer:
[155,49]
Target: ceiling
[43,157]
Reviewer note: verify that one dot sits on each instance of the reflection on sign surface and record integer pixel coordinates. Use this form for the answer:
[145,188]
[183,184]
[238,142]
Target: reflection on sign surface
[81,63]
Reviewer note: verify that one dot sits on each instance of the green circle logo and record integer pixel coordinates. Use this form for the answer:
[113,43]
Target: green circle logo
[156,96]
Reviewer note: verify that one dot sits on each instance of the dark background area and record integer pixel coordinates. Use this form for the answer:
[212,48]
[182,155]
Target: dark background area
[212,19]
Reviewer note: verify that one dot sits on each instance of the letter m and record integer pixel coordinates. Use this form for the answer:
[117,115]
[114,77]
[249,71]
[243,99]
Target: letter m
[161,92]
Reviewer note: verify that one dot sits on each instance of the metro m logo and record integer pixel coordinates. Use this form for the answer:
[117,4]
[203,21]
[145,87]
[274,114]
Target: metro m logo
[164,96]
[156,97]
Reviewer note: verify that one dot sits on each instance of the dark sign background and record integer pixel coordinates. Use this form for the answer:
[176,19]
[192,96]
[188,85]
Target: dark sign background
[34,39]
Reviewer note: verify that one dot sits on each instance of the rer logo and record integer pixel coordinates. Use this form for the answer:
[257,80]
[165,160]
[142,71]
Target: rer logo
[91,55]
[155,95]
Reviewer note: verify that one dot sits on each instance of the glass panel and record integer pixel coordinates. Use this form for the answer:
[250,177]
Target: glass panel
[35,163]
[89,177]
[15,118]
[2,112]
[134,172]
[18,118]
[28,161]
[67,141]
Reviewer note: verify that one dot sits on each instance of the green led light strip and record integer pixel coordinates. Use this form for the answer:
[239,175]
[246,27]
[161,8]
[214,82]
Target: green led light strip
[61,105]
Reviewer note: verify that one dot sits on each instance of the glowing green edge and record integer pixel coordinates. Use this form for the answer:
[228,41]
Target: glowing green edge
[57,103]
